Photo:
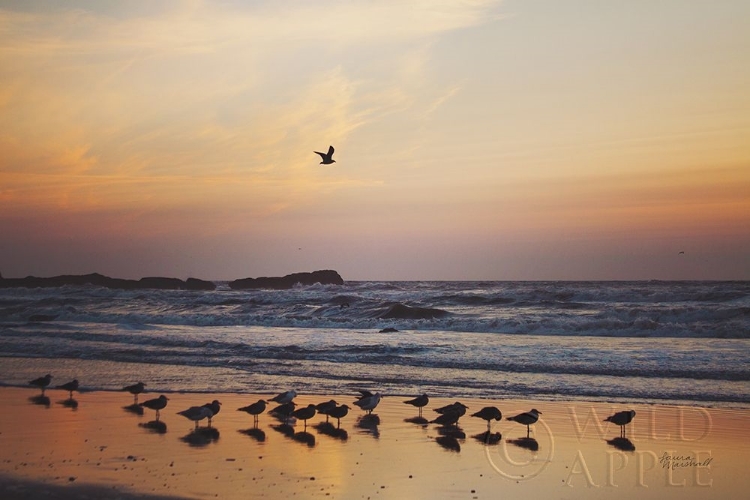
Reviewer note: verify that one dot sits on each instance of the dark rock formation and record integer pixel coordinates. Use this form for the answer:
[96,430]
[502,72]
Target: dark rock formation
[96,279]
[289,281]
[401,311]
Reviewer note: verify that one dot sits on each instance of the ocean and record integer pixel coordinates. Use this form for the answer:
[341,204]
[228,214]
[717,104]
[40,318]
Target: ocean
[648,342]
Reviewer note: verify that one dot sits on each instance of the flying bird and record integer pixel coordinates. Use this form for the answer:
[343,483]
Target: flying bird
[327,157]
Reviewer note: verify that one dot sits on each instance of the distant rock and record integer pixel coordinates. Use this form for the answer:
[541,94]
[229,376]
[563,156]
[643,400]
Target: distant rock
[96,279]
[389,329]
[401,311]
[326,277]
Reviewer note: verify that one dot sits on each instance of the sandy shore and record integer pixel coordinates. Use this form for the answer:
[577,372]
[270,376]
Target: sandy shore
[99,449]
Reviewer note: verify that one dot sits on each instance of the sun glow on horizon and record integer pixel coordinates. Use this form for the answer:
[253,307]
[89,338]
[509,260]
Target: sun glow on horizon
[477,140]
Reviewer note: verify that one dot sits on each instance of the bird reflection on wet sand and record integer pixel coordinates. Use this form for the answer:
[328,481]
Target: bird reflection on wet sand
[301,437]
[69,403]
[622,444]
[40,400]
[329,429]
[528,443]
[417,420]
[201,436]
[369,423]
[454,432]
[488,438]
[156,426]
[305,438]
[258,434]
[449,443]
[134,408]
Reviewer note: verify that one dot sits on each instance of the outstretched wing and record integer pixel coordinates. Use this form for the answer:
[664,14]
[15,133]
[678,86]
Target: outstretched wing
[322,155]
[330,151]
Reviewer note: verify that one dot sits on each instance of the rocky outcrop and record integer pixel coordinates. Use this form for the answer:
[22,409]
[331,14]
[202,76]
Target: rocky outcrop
[97,279]
[326,277]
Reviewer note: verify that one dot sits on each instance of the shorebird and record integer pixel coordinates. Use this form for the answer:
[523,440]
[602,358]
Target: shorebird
[528,418]
[324,408]
[196,413]
[305,413]
[368,403]
[283,412]
[447,419]
[327,157]
[69,386]
[489,413]
[156,404]
[420,402]
[42,382]
[255,409]
[215,407]
[456,407]
[135,389]
[621,418]
[285,397]
[338,413]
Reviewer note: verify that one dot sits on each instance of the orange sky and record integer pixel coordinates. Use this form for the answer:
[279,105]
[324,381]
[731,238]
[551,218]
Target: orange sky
[474,140]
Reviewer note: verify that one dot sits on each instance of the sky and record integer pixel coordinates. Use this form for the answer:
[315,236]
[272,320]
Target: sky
[475,139]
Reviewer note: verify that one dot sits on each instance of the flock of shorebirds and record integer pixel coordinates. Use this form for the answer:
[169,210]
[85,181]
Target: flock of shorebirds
[286,408]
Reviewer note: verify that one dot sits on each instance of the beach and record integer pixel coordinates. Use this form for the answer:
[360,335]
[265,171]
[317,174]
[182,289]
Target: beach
[98,448]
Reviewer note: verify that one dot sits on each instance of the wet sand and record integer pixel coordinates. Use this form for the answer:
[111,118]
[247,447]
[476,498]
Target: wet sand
[99,449]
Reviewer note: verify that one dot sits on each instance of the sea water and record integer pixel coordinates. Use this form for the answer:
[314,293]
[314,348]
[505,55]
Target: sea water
[654,342]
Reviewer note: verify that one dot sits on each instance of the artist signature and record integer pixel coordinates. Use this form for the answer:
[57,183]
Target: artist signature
[668,461]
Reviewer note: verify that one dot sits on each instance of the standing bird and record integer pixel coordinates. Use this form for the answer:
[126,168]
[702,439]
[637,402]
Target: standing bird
[447,419]
[285,397]
[42,382]
[528,418]
[621,418]
[255,409]
[420,402]
[327,157]
[489,413]
[156,404]
[283,412]
[196,413]
[338,413]
[456,407]
[135,389]
[215,407]
[305,413]
[368,403]
[69,386]
[324,408]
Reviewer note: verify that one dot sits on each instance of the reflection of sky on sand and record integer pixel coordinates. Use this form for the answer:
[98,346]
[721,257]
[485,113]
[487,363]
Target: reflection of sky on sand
[407,459]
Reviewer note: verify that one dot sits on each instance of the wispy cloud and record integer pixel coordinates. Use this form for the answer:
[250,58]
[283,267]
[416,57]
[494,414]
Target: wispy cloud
[180,102]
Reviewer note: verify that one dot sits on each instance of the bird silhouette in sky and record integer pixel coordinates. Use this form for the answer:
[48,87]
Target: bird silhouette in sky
[327,157]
